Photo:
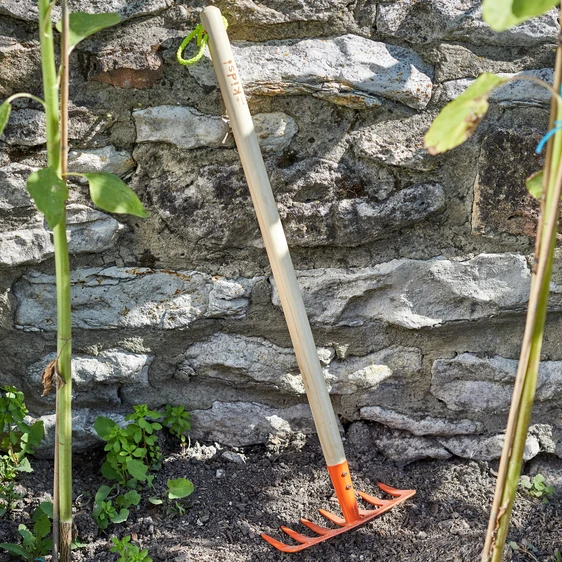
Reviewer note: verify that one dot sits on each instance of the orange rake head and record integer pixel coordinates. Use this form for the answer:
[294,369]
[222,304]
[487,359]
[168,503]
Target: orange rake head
[352,516]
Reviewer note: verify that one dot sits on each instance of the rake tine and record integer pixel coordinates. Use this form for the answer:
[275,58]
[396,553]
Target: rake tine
[333,518]
[277,544]
[375,501]
[393,491]
[314,527]
[294,535]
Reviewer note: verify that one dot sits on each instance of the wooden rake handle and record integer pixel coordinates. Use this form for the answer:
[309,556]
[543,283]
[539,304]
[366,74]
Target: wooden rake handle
[273,235]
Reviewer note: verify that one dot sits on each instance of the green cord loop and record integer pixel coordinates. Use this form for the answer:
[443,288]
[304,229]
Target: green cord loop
[202,39]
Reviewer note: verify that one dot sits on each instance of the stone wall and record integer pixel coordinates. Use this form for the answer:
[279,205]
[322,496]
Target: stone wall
[414,269]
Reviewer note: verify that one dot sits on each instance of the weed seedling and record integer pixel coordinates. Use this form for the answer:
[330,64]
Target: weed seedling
[537,488]
[35,543]
[178,489]
[129,552]
[105,510]
[176,419]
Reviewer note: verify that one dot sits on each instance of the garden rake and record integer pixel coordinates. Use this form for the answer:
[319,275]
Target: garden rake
[293,307]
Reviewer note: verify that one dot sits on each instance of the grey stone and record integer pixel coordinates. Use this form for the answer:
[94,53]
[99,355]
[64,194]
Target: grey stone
[26,127]
[354,222]
[236,458]
[242,359]
[551,468]
[398,142]
[27,9]
[470,383]
[420,425]
[404,448]
[88,231]
[106,159]
[14,196]
[274,130]
[485,448]
[183,126]
[348,70]
[21,64]
[416,293]
[97,379]
[132,298]
[429,21]
[519,92]
[84,436]
[238,424]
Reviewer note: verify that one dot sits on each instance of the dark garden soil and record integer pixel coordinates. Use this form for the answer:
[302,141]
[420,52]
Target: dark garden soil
[241,493]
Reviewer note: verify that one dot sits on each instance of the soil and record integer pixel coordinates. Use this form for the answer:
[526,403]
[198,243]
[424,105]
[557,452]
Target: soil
[240,493]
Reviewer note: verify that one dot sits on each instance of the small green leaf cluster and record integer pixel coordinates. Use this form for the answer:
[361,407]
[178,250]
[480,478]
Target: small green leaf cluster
[133,449]
[176,419]
[537,488]
[178,488]
[113,510]
[35,543]
[129,552]
[17,438]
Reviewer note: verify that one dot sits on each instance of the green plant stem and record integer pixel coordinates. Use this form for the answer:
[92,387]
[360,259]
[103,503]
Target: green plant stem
[62,267]
[522,404]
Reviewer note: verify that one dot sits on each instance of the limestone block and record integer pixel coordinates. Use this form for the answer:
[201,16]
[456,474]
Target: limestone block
[238,424]
[430,21]
[27,9]
[97,379]
[26,127]
[183,126]
[14,196]
[420,425]
[274,130]
[501,200]
[88,231]
[354,222]
[518,92]
[484,448]
[109,298]
[485,385]
[106,159]
[398,142]
[348,70]
[416,293]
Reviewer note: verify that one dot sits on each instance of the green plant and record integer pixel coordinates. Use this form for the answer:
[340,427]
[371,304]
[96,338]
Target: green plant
[17,438]
[129,552]
[176,419]
[537,488]
[178,489]
[133,449]
[49,190]
[105,510]
[8,497]
[557,556]
[34,543]
[525,548]
[454,125]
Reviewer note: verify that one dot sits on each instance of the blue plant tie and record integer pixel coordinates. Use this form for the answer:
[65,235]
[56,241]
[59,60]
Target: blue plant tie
[202,39]
[544,140]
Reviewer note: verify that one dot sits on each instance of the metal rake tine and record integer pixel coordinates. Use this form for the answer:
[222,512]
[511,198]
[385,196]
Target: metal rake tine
[314,527]
[331,517]
[393,491]
[375,501]
[297,536]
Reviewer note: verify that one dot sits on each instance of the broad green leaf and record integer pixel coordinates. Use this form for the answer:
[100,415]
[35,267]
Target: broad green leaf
[111,194]
[121,516]
[46,508]
[49,193]
[156,501]
[83,25]
[459,118]
[5,110]
[24,466]
[503,14]
[534,184]
[15,549]
[102,493]
[42,527]
[103,426]
[137,470]
[179,488]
